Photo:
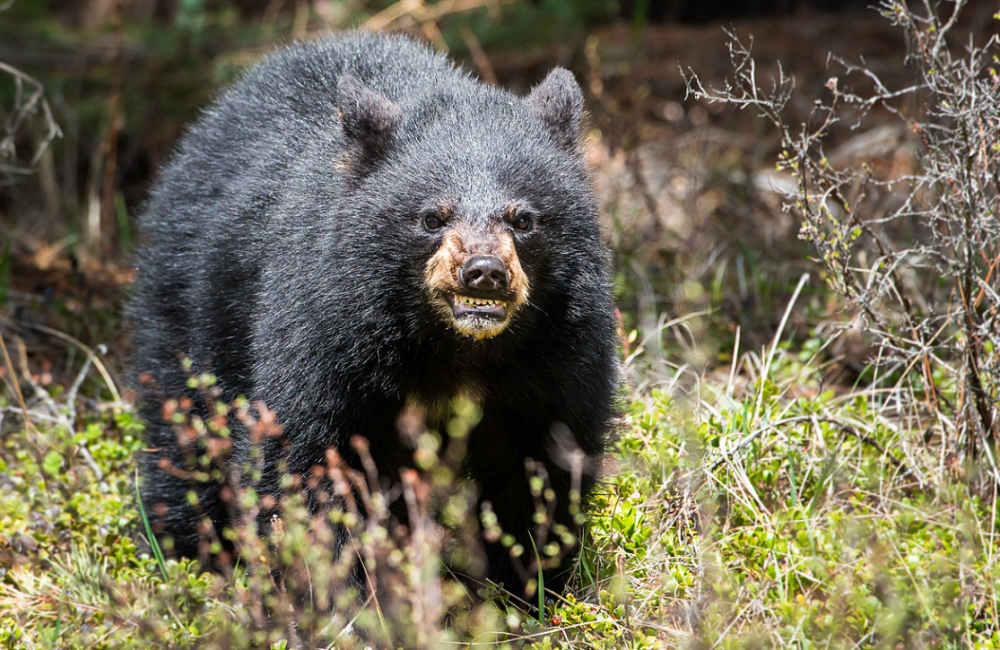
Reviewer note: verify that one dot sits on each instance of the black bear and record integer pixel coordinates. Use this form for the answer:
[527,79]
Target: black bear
[356,226]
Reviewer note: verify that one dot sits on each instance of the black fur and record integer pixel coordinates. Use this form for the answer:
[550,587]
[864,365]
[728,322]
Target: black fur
[286,254]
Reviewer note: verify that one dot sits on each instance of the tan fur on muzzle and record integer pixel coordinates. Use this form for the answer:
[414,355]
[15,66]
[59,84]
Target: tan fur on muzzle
[441,279]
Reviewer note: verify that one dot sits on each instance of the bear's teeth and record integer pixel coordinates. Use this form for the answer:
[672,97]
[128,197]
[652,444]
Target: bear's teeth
[469,301]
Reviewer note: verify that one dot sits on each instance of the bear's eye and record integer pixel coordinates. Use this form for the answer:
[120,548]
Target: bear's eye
[522,222]
[433,222]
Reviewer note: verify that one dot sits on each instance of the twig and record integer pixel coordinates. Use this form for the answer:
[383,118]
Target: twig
[75,387]
[86,350]
[12,380]
[23,108]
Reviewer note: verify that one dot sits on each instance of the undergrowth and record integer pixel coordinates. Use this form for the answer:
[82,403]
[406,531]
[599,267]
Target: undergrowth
[765,513]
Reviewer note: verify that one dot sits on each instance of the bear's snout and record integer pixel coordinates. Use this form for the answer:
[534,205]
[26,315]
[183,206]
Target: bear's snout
[484,273]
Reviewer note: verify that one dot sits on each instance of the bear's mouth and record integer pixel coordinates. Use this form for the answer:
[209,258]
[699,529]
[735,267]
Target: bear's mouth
[480,318]
[482,307]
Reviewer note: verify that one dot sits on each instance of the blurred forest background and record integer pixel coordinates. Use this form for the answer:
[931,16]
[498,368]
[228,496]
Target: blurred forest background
[809,333]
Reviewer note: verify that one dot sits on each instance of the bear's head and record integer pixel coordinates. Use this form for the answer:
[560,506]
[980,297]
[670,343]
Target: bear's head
[475,280]
[486,193]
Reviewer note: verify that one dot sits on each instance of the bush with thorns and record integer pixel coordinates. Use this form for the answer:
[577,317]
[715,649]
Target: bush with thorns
[915,251]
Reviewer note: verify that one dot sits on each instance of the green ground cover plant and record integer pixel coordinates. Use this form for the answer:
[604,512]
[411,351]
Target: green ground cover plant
[762,517]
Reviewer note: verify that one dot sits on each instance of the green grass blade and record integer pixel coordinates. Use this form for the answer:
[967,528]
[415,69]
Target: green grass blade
[153,543]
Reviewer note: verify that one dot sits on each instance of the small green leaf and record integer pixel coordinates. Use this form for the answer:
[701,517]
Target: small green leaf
[52,463]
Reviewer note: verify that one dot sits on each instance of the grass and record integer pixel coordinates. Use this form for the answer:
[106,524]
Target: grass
[759,510]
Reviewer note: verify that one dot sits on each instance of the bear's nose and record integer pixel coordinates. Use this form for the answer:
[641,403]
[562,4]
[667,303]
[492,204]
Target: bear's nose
[484,272]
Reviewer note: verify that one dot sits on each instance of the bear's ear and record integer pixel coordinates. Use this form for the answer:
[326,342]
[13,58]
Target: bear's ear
[369,118]
[558,101]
